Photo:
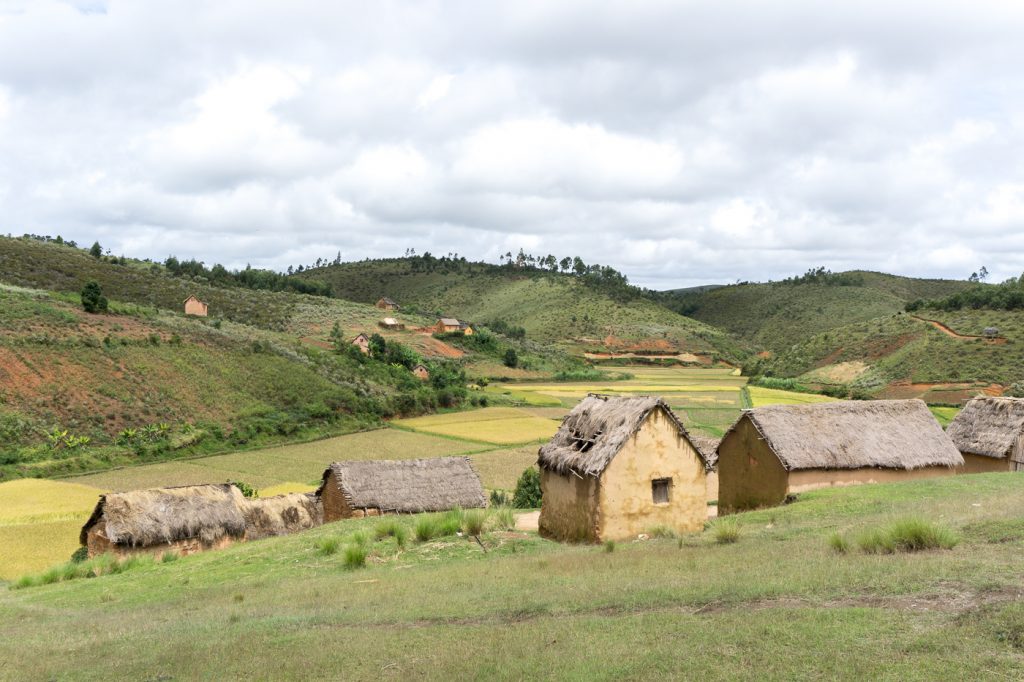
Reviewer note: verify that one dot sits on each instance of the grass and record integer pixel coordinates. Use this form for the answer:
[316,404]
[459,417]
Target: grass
[838,543]
[473,521]
[726,531]
[778,602]
[327,546]
[496,425]
[355,556]
[772,396]
[907,535]
[394,529]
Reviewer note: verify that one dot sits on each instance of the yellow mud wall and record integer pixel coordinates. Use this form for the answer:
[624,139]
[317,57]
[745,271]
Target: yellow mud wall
[569,508]
[749,473]
[712,486]
[979,464]
[657,450]
[812,479]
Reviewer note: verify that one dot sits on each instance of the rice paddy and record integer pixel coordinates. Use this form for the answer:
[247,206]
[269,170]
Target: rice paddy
[495,425]
[773,396]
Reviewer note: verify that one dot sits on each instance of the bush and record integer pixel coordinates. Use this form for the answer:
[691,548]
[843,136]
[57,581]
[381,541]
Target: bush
[247,490]
[609,546]
[80,555]
[511,358]
[93,300]
[500,498]
[726,531]
[355,556]
[527,494]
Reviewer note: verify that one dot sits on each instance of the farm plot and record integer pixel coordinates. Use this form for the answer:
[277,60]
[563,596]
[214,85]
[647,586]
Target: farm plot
[39,523]
[302,463]
[495,425]
[500,469]
[760,397]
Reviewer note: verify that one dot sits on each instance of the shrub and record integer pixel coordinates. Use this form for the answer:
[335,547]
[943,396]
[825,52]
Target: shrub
[838,543]
[511,358]
[327,546]
[500,498]
[527,494]
[93,300]
[355,556]
[80,555]
[247,490]
[473,521]
[726,531]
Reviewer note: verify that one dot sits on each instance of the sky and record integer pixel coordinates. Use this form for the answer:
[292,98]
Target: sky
[683,143]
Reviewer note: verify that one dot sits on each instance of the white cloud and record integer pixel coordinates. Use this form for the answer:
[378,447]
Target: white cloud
[681,142]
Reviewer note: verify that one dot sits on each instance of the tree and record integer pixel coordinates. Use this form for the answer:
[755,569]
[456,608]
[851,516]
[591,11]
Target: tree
[378,346]
[565,264]
[93,300]
[511,358]
[96,250]
[527,494]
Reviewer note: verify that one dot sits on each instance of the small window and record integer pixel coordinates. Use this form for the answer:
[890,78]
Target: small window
[661,490]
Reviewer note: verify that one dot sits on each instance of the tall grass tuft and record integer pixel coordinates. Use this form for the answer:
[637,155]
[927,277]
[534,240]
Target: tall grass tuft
[838,543]
[450,522]
[473,521]
[609,546]
[392,528]
[355,556]
[426,528]
[361,538]
[327,546]
[907,535]
[726,531]
[662,532]
[504,518]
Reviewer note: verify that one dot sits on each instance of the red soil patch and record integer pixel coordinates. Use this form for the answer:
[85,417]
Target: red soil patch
[938,392]
[436,348]
[765,354]
[830,358]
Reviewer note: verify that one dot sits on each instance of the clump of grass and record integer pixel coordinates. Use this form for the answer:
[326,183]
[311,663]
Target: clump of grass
[327,546]
[355,556]
[426,528]
[168,557]
[450,522]
[504,518]
[726,531]
[360,538]
[392,528]
[838,543]
[907,535]
[609,546]
[662,532]
[473,522]
[105,564]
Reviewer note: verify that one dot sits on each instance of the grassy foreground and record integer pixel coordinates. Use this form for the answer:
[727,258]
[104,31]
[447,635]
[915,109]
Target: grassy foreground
[776,604]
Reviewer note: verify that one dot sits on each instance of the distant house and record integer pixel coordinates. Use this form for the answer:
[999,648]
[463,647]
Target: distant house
[391,324]
[421,372]
[407,486]
[387,304]
[772,452]
[363,342]
[193,518]
[447,324]
[990,332]
[989,433]
[708,448]
[466,328]
[193,306]
[619,467]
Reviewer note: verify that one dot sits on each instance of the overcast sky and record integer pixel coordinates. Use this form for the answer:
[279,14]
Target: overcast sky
[680,142]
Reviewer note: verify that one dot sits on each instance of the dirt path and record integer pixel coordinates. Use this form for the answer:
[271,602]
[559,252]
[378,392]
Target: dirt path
[956,335]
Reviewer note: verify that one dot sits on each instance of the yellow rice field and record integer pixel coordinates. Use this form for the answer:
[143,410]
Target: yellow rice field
[772,396]
[285,488]
[34,499]
[495,425]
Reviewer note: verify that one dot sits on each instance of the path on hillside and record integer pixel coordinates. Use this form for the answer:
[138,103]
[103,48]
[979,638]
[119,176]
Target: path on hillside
[949,332]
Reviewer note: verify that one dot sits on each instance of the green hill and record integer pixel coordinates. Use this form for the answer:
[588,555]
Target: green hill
[552,307]
[775,316]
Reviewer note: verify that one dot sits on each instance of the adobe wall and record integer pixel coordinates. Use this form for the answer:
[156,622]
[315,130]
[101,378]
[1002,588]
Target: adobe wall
[749,473]
[980,464]
[334,504]
[812,479]
[569,509]
[656,451]
[97,543]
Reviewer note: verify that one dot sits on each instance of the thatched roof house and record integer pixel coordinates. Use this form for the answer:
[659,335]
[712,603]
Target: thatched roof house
[447,324]
[618,467]
[193,518]
[193,306]
[362,342]
[373,487]
[421,372]
[386,303]
[391,323]
[775,451]
[708,448]
[183,519]
[989,433]
[281,515]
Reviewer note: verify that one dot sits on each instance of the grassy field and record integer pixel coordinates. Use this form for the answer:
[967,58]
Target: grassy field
[777,604]
[495,425]
[772,396]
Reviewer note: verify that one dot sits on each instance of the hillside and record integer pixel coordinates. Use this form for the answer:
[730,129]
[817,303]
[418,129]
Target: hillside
[773,604]
[552,307]
[775,316]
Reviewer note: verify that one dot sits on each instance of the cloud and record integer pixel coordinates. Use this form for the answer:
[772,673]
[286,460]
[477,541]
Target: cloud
[684,143]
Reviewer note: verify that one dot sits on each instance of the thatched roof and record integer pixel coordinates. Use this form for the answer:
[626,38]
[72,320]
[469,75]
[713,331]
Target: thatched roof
[281,514]
[408,485]
[150,517]
[708,447]
[596,429]
[988,426]
[852,434]
[389,321]
[449,322]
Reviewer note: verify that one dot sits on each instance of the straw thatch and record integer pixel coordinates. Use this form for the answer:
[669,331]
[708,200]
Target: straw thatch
[281,515]
[890,434]
[708,447]
[988,426]
[596,429]
[408,485]
[143,518]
